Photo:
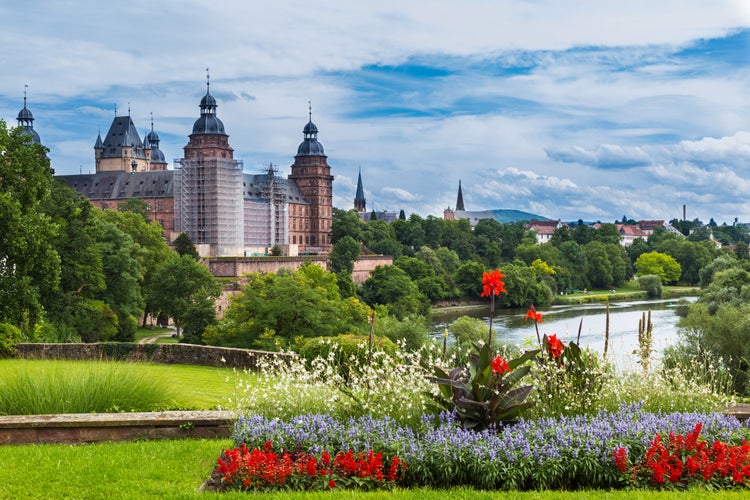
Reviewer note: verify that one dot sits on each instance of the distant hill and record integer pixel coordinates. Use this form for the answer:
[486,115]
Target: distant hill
[503,216]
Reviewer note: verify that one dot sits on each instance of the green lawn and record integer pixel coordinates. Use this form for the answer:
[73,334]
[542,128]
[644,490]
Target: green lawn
[176,469]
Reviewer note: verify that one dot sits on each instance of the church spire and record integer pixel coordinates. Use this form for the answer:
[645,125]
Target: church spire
[360,203]
[460,199]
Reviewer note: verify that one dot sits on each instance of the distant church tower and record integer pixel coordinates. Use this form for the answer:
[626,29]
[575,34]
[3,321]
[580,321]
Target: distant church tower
[26,121]
[208,186]
[311,224]
[360,203]
[460,199]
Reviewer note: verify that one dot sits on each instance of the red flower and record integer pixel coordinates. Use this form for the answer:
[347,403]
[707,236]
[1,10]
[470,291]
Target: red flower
[554,346]
[532,314]
[492,283]
[621,459]
[331,484]
[500,365]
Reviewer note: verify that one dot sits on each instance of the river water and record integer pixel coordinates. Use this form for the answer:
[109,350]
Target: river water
[511,327]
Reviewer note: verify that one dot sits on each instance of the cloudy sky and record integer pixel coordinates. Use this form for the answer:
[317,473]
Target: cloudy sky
[587,109]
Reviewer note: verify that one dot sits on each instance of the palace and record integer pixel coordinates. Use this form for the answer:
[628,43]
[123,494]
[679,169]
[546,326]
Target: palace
[225,211]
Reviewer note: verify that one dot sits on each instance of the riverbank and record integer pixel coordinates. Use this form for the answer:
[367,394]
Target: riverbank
[624,293]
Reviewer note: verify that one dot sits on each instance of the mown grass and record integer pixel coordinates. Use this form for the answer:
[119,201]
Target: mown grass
[45,386]
[176,469]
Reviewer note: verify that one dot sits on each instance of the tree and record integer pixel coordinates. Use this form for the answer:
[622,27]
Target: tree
[149,248]
[181,287]
[692,257]
[659,264]
[136,206]
[652,285]
[344,254]
[183,245]
[276,310]
[598,265]
[391,286]
[346,223]
[29,265]
[468,279]
[75,309]
[122,292]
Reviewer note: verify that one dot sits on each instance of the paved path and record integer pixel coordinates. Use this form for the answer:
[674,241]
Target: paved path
[153,339]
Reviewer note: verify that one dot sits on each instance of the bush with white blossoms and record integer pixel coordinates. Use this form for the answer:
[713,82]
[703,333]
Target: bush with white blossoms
[391,385]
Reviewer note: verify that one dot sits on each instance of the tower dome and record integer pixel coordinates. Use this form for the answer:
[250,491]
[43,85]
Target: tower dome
[152,139]
[310,145]
[208,123]
[26,121]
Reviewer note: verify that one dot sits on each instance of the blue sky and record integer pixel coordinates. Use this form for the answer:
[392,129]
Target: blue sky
[574,110]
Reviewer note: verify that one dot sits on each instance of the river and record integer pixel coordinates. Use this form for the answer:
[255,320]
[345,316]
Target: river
[510,326]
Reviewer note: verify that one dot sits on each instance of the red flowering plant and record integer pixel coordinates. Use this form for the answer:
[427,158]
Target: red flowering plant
[568,379]
[487,389]
[265,470]
[681,462]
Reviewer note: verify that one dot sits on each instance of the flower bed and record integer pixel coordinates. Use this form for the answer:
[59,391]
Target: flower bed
[562,453]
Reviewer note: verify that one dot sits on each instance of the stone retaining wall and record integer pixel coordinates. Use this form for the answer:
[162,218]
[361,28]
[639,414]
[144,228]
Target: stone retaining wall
[97,427]
[188,354]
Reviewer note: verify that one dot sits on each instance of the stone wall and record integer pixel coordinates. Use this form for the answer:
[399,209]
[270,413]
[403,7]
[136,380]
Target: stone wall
[236,267]
[188,354]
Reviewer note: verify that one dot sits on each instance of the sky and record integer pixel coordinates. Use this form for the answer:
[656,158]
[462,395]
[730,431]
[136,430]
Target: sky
[593,109]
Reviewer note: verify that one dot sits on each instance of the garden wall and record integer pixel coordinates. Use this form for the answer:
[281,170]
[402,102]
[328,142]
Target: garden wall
[188,354]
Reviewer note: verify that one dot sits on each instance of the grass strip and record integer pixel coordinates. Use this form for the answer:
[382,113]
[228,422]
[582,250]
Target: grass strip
[50,386]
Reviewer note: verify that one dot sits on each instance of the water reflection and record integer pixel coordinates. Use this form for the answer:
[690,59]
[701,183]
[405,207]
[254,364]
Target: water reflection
[510,325]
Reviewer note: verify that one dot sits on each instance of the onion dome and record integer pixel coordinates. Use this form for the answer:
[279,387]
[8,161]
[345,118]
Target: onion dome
[310,145]
[208,123]
[26,121]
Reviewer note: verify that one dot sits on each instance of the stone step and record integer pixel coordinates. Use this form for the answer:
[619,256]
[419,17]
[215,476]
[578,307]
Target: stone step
[96,427]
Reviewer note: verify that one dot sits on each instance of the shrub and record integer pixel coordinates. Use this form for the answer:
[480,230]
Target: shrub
[652,285]
[391,385]
[346,350]
[9,337]
[410,331]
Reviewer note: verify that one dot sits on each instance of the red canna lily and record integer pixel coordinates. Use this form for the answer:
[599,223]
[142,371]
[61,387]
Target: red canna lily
[492,283]
[554,346]
[533,314]
[500,365]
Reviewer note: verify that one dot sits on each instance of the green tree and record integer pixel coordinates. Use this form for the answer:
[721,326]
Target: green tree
[276,310]
[692,257]
[392,287]
[598,266]
[468,279]
[523,286]
[136,206]
[75,309]
[149,249]
[122,292]
[344,254]
[183,245]
[346,223]
[182,286]
[659,264]
[29,265]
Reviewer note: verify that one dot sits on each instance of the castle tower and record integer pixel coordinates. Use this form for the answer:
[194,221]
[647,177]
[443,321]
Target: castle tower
[310,225]
[360,203]
[158,162]
[26,121]
[208,186]
[460,199]
[122,148]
